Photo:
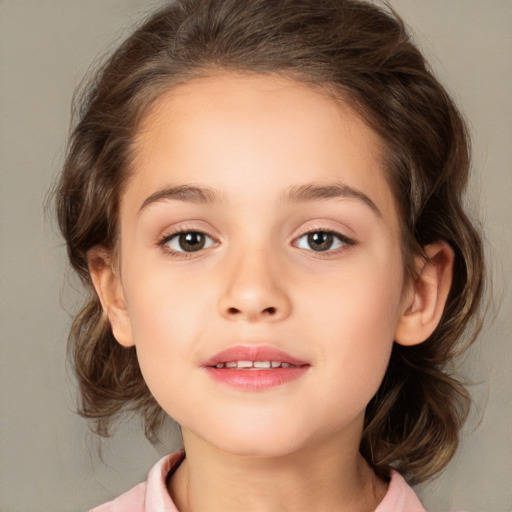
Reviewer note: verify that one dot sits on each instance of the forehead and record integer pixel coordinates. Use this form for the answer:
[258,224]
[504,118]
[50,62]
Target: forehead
[248,134]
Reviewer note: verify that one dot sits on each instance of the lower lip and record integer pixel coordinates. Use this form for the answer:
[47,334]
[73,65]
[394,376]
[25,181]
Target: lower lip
[256,380]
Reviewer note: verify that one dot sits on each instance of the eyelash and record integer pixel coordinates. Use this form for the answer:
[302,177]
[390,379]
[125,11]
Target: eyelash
[345,241]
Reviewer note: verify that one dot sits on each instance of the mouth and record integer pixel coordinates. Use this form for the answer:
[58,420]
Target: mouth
[254,365]
[254,368]
[261,357]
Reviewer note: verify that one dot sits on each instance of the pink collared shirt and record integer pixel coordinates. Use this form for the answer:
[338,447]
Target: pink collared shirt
[152,495]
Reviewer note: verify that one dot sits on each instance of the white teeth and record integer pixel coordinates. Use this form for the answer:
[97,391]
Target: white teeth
[261,364]
[254,364]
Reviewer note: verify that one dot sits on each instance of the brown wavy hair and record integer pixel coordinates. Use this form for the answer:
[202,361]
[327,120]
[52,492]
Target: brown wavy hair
[361,52]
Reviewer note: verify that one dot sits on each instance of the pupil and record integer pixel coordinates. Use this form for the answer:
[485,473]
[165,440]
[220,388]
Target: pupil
[320,241]
[192,241]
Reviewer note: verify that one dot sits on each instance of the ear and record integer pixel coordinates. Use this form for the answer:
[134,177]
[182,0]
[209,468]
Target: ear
[108,286]
[424,301]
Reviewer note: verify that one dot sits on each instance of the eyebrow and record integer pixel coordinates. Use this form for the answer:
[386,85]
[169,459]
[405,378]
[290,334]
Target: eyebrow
[314,192]
[186,193]
[295,194]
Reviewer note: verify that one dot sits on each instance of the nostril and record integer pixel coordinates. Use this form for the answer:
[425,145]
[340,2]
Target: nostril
[233,311]
[270,310]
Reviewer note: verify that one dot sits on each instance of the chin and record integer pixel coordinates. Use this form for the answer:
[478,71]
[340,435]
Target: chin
[261,441]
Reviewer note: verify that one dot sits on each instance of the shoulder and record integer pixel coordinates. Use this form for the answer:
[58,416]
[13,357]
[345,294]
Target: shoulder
[400,497]
[151,495]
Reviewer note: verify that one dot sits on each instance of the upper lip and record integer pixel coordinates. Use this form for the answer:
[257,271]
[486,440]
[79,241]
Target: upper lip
[252,353]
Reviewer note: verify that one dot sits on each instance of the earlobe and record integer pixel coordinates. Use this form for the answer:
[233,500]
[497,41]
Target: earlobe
[425,299]
[108,286]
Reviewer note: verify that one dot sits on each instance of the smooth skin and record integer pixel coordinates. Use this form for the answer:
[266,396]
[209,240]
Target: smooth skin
[318,275]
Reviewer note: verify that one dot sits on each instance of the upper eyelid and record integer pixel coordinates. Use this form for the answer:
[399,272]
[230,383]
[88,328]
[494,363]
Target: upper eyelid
[314,229]
[163,239]
[185,228]
[173,234]
[344,239]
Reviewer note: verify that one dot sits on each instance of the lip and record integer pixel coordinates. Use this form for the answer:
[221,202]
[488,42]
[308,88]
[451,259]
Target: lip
[253,353]
[255,379]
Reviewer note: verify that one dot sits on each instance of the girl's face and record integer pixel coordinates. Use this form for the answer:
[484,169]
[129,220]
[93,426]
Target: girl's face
[258,225]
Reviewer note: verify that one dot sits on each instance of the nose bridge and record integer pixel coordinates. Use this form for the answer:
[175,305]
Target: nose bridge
[254,288]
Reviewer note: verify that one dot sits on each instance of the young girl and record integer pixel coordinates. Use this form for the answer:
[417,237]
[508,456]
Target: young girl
[264,198]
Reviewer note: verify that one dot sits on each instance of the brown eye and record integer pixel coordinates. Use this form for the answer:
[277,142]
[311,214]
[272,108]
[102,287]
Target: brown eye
[188,241]
[191,242]
[322,241]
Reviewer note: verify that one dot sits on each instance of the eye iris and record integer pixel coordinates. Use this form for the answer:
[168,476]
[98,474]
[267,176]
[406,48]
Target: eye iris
[320,241]
[192,241]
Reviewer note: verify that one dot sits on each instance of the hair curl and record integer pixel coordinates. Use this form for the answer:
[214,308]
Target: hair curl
[365,54]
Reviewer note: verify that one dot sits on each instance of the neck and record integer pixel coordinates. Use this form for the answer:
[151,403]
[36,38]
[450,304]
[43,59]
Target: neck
[326,478]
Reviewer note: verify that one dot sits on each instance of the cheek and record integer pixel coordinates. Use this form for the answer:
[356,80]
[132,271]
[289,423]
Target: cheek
[155,314]
[355,316]
[361,300]
[162,299]
[165,311]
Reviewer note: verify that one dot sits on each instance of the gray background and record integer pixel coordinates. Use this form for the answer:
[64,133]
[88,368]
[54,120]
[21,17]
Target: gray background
[49,461]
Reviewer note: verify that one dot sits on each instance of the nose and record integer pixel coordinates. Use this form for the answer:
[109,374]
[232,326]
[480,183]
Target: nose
[254,289]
